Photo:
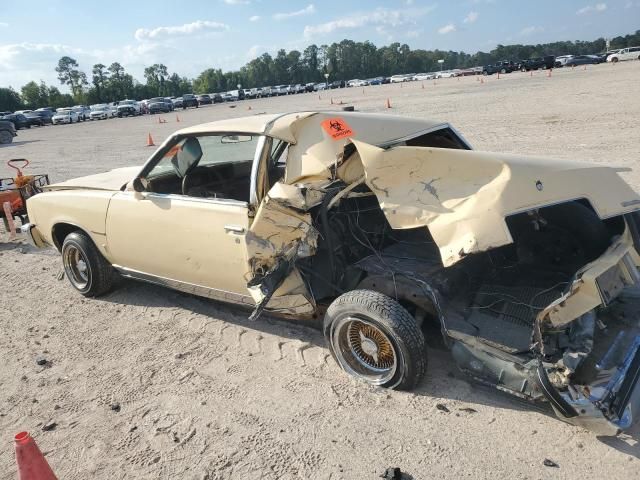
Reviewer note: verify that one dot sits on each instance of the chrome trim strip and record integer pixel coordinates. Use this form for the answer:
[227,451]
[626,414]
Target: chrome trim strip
[193,289]
[255,166]
[186,198]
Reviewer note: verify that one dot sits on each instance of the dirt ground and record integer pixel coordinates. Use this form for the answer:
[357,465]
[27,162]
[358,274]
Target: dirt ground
[149,383]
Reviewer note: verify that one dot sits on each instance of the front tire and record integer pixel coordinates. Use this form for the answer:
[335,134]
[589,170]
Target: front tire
[85,267]
[375,339]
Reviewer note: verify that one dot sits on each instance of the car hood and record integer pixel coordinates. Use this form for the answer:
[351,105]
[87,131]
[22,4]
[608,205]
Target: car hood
[112,180]
[463,197]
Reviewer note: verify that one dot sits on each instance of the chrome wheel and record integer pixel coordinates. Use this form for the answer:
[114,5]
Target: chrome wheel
[76,267]
[364,350]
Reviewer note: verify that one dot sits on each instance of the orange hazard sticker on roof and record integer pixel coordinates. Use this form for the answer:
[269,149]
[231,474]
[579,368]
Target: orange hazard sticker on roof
[337,128]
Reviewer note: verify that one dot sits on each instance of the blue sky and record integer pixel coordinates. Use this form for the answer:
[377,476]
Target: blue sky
[189,36]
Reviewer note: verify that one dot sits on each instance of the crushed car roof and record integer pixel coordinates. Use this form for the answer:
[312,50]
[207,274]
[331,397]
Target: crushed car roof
[368,127]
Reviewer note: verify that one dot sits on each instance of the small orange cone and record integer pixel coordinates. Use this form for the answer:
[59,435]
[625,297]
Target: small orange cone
[388,103]
[31,463]
[150,141]
[177,118]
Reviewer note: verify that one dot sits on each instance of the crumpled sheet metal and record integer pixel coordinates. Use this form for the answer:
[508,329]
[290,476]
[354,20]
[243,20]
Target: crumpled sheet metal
[463,196]
[281,228]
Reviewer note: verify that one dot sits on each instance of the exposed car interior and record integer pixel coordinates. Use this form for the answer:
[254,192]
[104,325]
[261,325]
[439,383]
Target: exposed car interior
[212,166]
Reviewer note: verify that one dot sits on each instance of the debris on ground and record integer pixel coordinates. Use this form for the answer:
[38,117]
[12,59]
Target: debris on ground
[392,473]
[550,463]
[115,407]
[41,360]
[468,410]
[49,427]
[442,407]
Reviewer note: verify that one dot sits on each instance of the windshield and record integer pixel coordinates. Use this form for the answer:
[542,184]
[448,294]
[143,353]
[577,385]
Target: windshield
[206,150]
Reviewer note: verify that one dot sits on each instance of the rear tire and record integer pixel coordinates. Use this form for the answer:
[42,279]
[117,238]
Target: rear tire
[375,339]
[85,267]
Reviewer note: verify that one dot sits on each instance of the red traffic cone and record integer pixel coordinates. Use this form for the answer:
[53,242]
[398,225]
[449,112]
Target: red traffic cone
[150,141]
[31,463]
[388,103]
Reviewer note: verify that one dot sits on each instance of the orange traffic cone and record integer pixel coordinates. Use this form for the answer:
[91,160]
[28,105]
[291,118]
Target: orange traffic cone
[388,103]
[31,463]
[150,141]
[177,118]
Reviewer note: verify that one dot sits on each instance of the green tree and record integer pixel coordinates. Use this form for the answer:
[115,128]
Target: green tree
[69,74]
[100,80]
[9,100]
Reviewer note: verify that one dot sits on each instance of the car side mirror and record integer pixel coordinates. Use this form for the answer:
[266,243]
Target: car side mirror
[140,184]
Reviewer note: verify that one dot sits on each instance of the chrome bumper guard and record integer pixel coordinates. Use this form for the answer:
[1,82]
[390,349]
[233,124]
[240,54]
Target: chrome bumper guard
[33,237]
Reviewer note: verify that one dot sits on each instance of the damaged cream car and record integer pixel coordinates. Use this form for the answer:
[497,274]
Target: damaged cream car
[384,225]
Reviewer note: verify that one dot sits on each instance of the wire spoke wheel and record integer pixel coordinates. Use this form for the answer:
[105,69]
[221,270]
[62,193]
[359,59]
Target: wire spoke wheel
[76,266]
[364,350]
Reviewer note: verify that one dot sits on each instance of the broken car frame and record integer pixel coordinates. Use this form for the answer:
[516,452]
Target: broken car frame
[385,225]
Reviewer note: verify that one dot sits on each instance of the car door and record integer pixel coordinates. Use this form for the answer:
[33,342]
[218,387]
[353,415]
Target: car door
[192,243]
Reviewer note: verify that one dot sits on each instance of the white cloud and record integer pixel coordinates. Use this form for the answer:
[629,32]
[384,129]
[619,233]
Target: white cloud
[530,30]
[254,18]
[199,26]
[4,24]
[379,17]
[598,7]
[448,28]
[237,2]
[308,10]
[471,17]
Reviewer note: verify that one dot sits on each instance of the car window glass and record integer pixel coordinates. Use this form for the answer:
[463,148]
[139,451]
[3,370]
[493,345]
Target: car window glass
[227,149]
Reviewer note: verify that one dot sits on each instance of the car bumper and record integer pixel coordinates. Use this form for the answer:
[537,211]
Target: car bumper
[33,235]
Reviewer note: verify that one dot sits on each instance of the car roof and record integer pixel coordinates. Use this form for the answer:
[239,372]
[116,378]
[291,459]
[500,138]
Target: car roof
[372,127]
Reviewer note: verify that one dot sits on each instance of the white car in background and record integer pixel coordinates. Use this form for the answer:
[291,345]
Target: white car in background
[82,111]
[399,78]
[101,112]
[424,76]
[630,53]
[448,74]
[65,116]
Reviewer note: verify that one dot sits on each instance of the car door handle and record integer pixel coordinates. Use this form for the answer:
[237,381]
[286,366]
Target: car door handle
[234,228]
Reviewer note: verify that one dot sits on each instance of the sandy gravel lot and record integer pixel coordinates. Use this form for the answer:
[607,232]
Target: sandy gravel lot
[148,383]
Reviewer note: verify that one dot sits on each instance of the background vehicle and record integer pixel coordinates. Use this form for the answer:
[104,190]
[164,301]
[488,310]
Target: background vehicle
[337,84]
[630,53]
[128,108]
[159,105]
[7,132]
[82,111]
[505,66]
[581,60]
[44,114]
[543,63]
[18,120]
[216,98]
[204,99]
[177,102]
[399,78]
[420,77]
[100,112]
[65,116]
[561,60]
[189,100]
[235,95]
[35,120]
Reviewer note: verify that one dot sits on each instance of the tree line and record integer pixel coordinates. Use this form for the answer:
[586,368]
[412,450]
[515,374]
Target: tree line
[341,60]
